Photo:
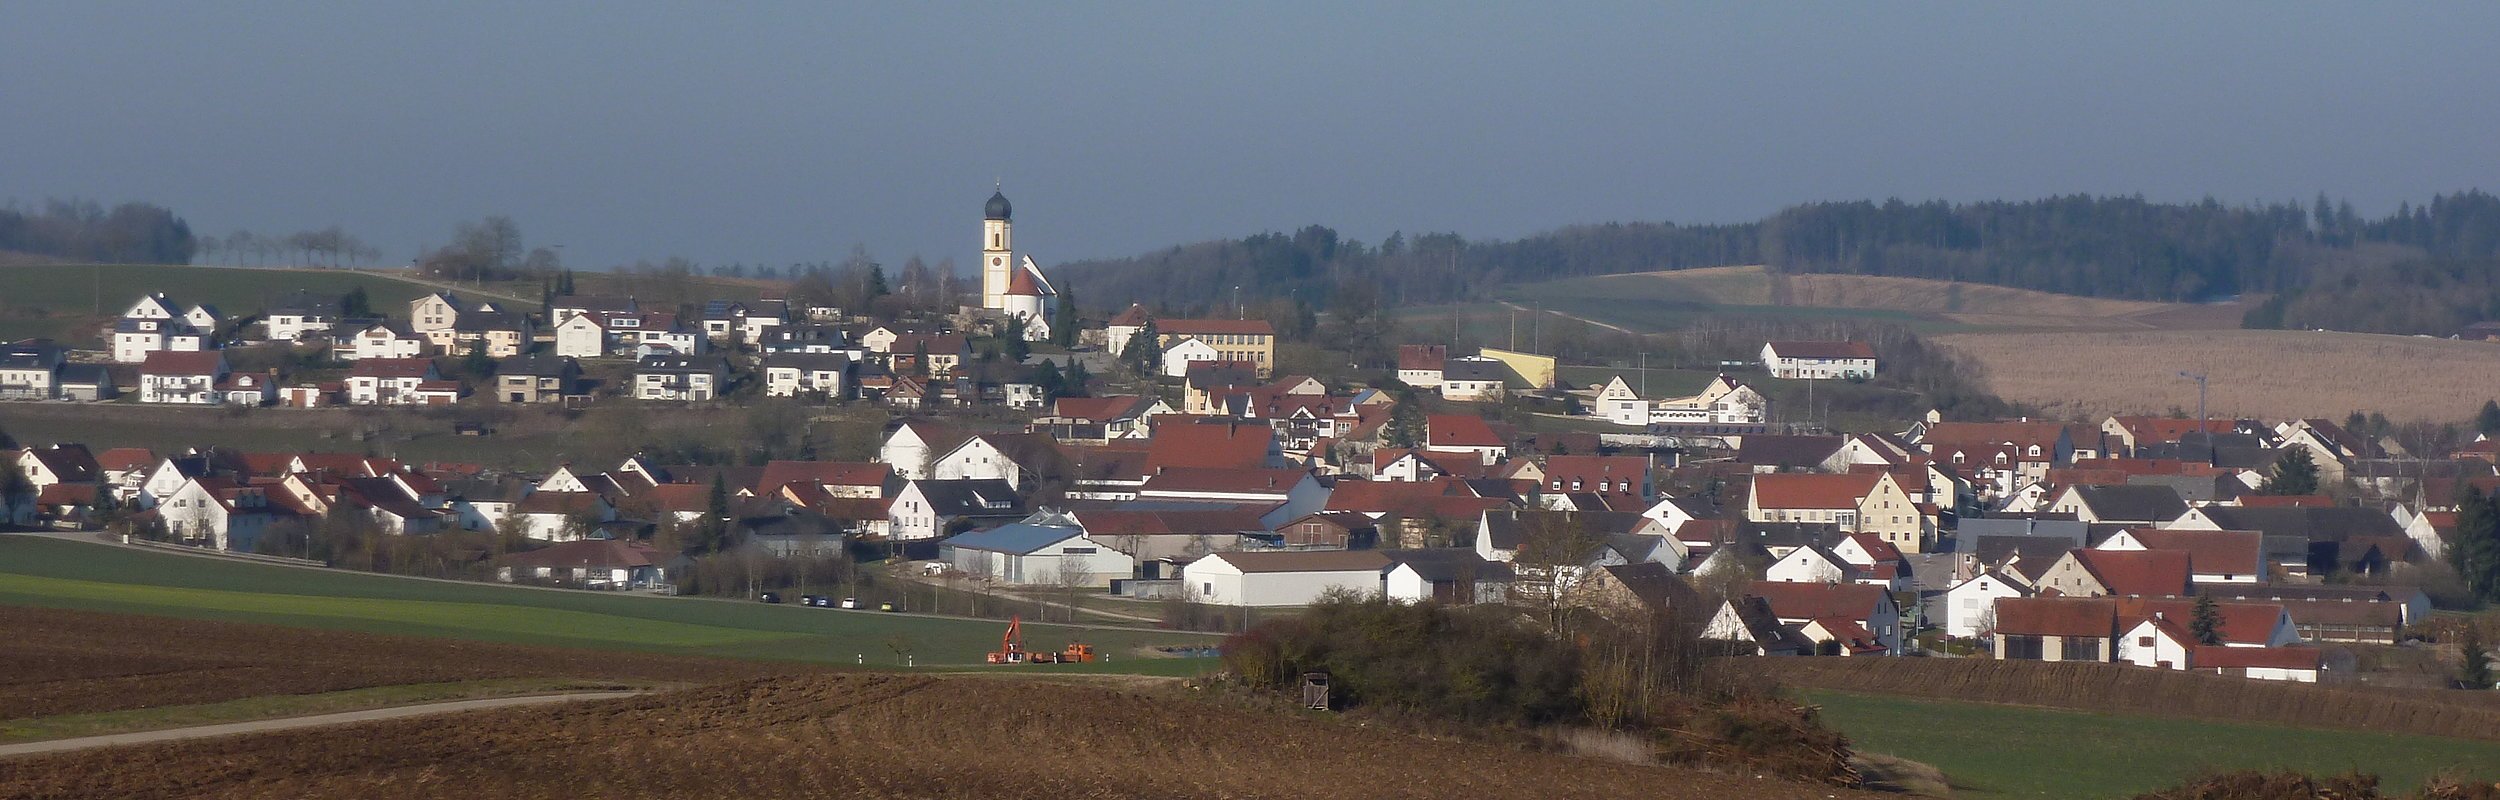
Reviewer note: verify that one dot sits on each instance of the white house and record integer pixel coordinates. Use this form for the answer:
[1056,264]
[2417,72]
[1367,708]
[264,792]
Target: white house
[1970,606]
[2158,641]
[672,377]
[1809,564]
[216,513]
[913,447]
[1419,365]
[1290,494]
[814,374]
[1620,405]
[1444,575]
[924,509]
[1474,379]
[383,340]
[1282,578]
[1818,360]
[1178,357]
[581,336]
[389,381]
[1047,549]
[182,378]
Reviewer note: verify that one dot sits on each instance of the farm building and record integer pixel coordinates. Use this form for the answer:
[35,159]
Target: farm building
[1818,360]
[1283,578]
[600,562]
[1046,548]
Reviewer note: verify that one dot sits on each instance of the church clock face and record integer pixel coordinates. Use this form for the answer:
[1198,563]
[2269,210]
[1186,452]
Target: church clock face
[996,261]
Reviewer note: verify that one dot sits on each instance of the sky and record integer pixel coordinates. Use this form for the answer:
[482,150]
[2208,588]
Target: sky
[774,132]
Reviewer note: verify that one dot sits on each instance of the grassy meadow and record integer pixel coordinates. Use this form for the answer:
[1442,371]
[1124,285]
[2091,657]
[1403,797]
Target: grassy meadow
[78,575]
[1998,751]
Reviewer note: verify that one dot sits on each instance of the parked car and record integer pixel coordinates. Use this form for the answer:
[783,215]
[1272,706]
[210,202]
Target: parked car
[887,607]
[850,602]
[817,601]
[769,597]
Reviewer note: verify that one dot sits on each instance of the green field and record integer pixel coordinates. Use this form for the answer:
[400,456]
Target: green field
[62,301]
[1662,306]
[2011,751]
[79,575]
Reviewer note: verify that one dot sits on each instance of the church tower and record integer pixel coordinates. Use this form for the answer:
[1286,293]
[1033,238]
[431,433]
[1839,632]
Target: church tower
[997,251]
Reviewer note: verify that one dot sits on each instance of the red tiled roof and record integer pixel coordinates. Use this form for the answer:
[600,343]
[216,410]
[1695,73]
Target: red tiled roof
[1807,490]
[1133,316]
[1213,445]
[121,459]
[2228,552]
[590,553]
[2242,623]
[1225,481]
[2138,573]
[176,362]
[1459,430]
[1815,600]
[2056,616]
[1876,548]
[1422,356]
[2160,430]
[1590,470]
[392,368]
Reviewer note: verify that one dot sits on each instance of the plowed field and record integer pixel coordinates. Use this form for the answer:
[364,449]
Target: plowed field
[862,735]
[56,661]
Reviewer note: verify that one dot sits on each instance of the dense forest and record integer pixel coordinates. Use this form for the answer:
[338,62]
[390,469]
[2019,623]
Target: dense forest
[2421,269]
[79,230]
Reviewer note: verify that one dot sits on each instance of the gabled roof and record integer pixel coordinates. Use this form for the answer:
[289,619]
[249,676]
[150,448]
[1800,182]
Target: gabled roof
[1655,585]
[1459,430]
[540,365]
[1133,316]
[778,474]
[70,463]
[1214,445]
[176,362]
[392,368]
[587,553]
[1449,564]
[2057,616]
[2137,573]
[1818,600]
[1203,480]
[2241,623]
[814,362]
[1124,522]
[2227,552]
[1508,528]
[1792,452]
[1813,490]
[1422,357]
[1101,409]
[975,497]
[1021,538]
[2132,503]
[2309,524]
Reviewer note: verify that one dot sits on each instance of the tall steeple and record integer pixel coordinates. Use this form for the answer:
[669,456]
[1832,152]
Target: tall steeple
[998,259]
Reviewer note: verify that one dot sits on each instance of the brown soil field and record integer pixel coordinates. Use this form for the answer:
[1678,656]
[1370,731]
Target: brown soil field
[863,735]
[76,662]
[2135,690]
[1968,303]
[2271,375]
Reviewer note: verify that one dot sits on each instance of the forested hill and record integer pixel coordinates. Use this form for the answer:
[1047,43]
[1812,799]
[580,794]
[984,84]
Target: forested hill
[2123,247]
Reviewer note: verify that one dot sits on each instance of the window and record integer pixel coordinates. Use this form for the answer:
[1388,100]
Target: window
[1206,589]
[1077,551]
[2143,641]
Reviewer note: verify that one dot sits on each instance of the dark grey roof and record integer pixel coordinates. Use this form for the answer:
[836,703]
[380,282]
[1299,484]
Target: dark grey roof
[2194,488]
[2132,503]
[1447,564]
[481,321]
[1786,534]
[980,497]
[85,375]
[543,365]
[2309,524]
[997,208]
[1473,369]
[2030,555]
[808,361]
[1656,585]
[1021,538]
[1508,528]
[1970,531]
[1792,452]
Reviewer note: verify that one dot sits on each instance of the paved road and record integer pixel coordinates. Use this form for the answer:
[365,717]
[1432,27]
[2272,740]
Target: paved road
[290,723]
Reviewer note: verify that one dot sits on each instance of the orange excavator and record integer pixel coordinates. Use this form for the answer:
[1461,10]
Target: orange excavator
[1011,649]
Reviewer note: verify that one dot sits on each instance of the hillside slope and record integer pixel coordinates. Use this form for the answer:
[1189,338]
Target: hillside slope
[2265,374]
[864,736]
[1658,300]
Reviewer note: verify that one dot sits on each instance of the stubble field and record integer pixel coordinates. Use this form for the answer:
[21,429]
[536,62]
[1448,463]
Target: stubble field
[864,735]
[2270,375]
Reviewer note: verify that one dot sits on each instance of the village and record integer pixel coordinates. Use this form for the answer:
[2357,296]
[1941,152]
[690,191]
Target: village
[2269,549]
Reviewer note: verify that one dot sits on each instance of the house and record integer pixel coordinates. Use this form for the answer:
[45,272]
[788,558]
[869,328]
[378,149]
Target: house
[1103,419]
[561,516]
[1225,445]
[1466,435]
[186,378]
[1337,530]
[1623,481]
[812,374]
[1502,533]
[1872,621]
[1047,549]
[217,513]
[30,370]
[381,341]
[1819,360]
[86,383]
[2056,629]
[914,446]
[595,563]
[389,381]
[2159,642]
[248,389]
[433,311]
[1178,357]
[845,479]
[569,306]
[537,378]
[1809,564]
[499,334]
[2122,573]
[1446,575]
[1020,459]
[2213,556]
[582,336]
[725,320]
[1284,494]
[2120,505]
[1474,379]
[679,377]
[154,324]
[1745,624]
[1419,365]
[930,509]
[1640,592]
[945,352]
[1970,606]
[1246,340]
[1866,502]
[1282,578]
[299,316]
[1722,403]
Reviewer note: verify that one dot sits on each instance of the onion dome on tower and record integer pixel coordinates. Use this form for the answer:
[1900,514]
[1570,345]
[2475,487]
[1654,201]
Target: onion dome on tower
[997,208]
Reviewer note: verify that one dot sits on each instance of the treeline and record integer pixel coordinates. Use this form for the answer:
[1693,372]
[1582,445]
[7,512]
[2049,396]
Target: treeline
[2327,265]
[81,230]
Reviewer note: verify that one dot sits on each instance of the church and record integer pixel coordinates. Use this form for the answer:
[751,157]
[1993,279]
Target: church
[1012,288]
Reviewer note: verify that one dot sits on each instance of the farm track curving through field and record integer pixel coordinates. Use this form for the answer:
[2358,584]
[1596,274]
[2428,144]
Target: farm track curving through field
[292,723]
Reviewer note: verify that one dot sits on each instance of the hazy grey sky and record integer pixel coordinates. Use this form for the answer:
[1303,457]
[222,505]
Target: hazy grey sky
[774,132]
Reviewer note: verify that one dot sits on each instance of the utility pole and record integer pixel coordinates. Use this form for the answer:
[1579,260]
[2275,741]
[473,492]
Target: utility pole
[2202,426]
[1644,374]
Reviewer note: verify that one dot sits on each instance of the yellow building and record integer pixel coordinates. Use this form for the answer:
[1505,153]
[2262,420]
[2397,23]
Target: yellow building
[1251,340]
